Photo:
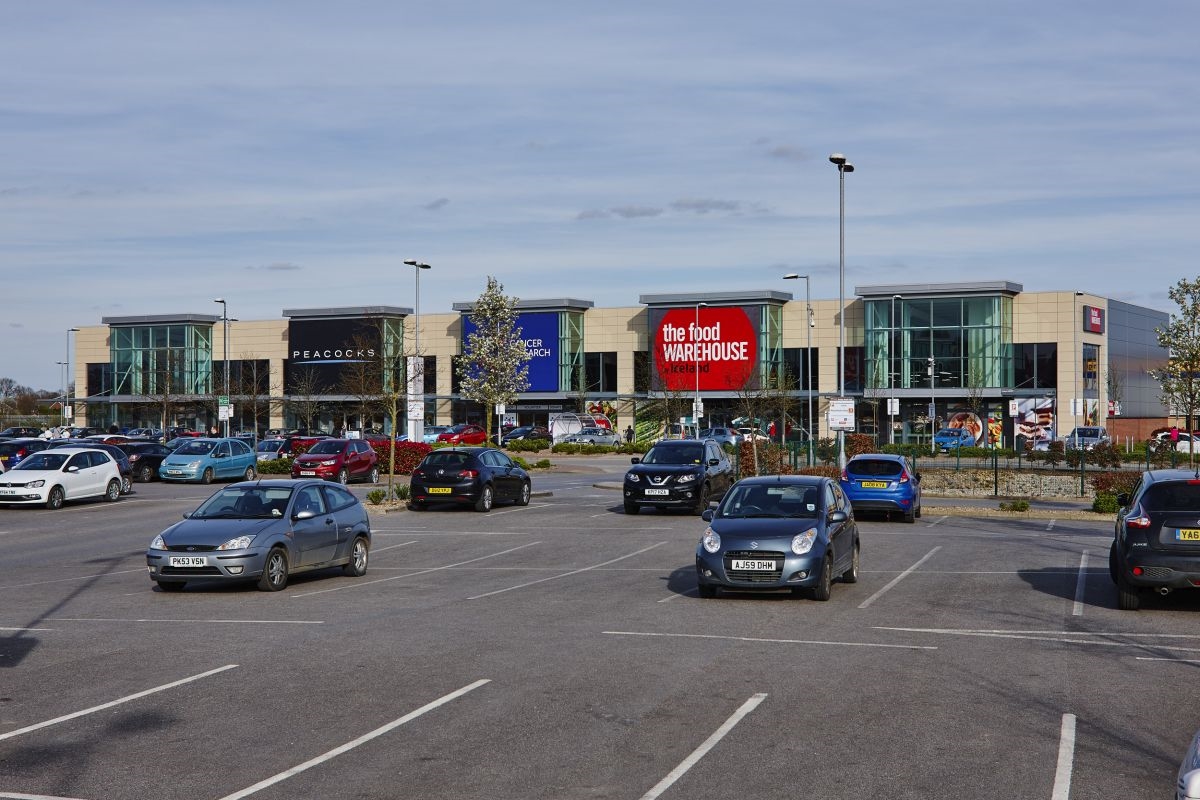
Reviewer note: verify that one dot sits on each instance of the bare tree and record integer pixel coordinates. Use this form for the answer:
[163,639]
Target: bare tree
[363,381]
[254,390]
[304,400]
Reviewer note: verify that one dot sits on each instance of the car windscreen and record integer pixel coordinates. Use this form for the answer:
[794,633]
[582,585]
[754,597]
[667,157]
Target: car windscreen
[1089,433]
[270,446]
[326,447]
[674,455]
[245,502]
[1169,496]
[782,500]
[951,432]
[44,460]
[195,449]
[454,460]
[874,466]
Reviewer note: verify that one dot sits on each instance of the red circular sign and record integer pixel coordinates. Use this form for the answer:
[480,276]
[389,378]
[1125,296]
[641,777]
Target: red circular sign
[722,349]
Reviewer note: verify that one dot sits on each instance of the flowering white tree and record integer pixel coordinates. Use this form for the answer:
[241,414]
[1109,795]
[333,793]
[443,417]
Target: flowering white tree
[494,367]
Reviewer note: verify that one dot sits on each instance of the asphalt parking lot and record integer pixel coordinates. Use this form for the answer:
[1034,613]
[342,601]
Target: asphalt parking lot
[560,651]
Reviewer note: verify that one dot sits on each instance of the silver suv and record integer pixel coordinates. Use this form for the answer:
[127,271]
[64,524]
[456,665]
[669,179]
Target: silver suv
[1086,438]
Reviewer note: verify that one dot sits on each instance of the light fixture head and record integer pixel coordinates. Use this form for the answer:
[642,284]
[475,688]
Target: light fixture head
[220,300]
[410,261]
[897,297]
[847,167]
[791,276]
[837,158]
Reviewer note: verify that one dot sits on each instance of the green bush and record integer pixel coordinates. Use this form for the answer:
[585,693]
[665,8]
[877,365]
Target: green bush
[1114,482]
[1015,505]
[571,448]
[276,466]
[376,496]
[402,491]
[826,450]
[527,445]
[773,459]
[525,465]
[1105,503]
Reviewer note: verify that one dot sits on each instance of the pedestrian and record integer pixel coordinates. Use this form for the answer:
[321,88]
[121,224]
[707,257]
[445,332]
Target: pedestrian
[629,434]
[212,431]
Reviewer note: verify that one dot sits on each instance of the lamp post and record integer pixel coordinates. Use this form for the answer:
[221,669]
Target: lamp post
[696,407]
[1077,354]
[932,403]
[892,338]
[416,424]
[225,342]
[843,166]
[791,276]
[67,382]
[62,372]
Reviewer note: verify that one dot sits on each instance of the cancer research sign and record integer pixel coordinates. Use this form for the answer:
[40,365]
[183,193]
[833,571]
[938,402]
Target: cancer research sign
[539,332]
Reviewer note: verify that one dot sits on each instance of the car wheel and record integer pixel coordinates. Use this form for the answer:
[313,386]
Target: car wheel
[851,575]
[207,477]
[1128,597]
[706,591]
[251,473]
[918,511]
[112,492]
[145,474]
[824,587]
[343,476]
[910,516]
[126,484]
[484,503]
[526,491]
[1112,562]
[55,499]
[360,551]
[702,499]
[275,571]
[172,586]
[417,506]
[631,508]
[373,477]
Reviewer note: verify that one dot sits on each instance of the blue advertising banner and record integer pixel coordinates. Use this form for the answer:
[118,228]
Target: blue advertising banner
[540,333]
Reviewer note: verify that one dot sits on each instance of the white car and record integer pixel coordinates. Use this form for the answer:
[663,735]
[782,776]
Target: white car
[1188,787]
[1184,443]
[51,477]
[594,436]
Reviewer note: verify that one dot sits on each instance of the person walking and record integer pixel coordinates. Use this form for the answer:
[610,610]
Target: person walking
[629,434]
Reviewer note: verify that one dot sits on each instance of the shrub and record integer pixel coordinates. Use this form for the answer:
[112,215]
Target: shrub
[1105,455]
[825,472]
[525,465]
[773,459]
[826,450]
[402,491]
[1114,482]
[526,445]
[859,443]
[276,466]
[376,496]
[1015,505]
[1105,503]
[408,455]
[1054,456]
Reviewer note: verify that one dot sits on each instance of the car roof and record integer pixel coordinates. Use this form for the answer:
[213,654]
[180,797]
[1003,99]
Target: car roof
[878,457]
[786,480]
[1161,475]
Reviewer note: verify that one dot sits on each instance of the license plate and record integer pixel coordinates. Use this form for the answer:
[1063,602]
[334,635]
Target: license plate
[874,484]
[8,491]
[657,492]
[308,472]
[187,561]
[1187,535]
[174,472]
[439,490]
[754,564]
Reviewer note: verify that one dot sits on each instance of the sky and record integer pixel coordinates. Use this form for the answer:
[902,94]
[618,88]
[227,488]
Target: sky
[157,155]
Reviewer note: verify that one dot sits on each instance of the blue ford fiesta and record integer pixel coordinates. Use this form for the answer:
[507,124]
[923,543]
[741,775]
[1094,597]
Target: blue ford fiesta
[777,532]
[883,482]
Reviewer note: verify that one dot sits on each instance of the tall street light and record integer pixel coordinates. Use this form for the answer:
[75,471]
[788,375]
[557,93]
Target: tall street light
[1077,354]
[791,276]
[67,382]
[895,335]
[696,407]
[416,423]
[62,371]
[225,337]
[843,166]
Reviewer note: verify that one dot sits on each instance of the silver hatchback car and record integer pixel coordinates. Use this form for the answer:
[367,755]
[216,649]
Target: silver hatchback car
[263,531]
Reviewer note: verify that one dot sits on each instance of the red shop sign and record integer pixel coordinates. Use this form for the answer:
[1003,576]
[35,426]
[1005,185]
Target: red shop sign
[722,349]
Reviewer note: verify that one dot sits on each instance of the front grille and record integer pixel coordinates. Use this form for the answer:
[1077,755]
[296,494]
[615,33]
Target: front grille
[191,548]
[754,576]
[189,571]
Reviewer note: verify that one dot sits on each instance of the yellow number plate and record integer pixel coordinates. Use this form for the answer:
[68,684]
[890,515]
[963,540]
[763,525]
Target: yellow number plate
[439,490]
[874,484]
[1188,535]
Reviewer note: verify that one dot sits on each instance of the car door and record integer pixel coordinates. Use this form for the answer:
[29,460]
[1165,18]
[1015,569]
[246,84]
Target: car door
[841,534]
[80,478]
[316,537]
[721,475]
[503,481]
[344,508]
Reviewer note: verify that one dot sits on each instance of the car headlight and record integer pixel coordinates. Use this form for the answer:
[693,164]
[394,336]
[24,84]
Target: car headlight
[158,543]
[239,543]
[711,540]
[803,542]
[632,478]
[35,484]
[329,462]
[194,464]
[688,478]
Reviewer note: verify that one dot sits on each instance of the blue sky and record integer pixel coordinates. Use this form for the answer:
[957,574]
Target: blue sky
[288,155]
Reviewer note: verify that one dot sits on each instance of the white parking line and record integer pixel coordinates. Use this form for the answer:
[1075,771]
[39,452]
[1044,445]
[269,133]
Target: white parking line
[566,574]
[1066,757]
[1050,524]
[708,744]
[899,577]
[936,521]
[392,546]
[177,621]
[1065,637]
[1080,581]
[68,580]
[358,584]
[769,641]
[15,796]
[126,699]
[337,751]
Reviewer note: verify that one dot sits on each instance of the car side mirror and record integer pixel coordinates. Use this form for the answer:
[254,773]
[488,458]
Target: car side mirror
[1123,499]
[72,469]
[635,460]
[917,475]
[706,515]
[303,515]
[838,516]
[712,462]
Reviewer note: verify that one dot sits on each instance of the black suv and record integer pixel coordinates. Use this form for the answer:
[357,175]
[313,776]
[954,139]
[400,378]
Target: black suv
[1157,542]
[678,473]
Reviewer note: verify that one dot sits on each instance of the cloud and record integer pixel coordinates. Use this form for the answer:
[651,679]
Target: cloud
[787,152]
[279,266]
[699,206]
[635,212]
[593,213]
[435,205]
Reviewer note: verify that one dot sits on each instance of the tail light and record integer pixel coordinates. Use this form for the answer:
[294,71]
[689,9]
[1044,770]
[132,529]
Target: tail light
[904,477]
[469,473]
[1140,521]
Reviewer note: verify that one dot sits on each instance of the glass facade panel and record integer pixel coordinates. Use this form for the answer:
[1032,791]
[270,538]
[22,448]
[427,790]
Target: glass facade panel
[946,313]
[147,363]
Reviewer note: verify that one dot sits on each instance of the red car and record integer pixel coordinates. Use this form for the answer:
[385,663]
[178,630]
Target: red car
[464,433]
[341,460]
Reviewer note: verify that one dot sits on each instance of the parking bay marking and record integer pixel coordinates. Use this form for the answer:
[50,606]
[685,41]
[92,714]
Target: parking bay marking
[1065,637]
[1080,582]
[1066,757]
[770,641]
[16,796]
[705,746]
[348,746]
[567,574]
[117,702]
[899,577]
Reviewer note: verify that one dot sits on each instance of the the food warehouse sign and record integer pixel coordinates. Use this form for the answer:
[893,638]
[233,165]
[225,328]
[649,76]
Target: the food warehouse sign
[709,348]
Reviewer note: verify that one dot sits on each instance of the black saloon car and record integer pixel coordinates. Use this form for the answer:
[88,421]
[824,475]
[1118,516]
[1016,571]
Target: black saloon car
[476,476]
[145,457]
[1157,541]
[776,532]
[678,473]
[526,432]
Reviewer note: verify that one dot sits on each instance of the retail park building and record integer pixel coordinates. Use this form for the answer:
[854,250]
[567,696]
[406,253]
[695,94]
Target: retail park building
[1036,363]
